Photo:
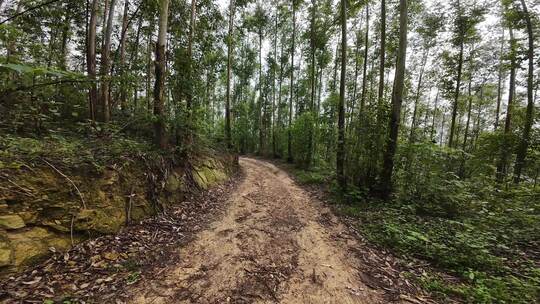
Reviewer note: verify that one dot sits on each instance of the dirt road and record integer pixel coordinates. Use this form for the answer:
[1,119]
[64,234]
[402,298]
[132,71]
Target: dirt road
[274,244]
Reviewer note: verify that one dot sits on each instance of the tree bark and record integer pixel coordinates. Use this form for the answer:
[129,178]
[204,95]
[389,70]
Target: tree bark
[397,100]
[159,87]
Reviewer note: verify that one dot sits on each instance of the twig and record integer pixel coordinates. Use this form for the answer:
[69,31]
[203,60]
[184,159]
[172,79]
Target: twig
[24,191]
[69,179]
[71,230]
[29,10]
[26,88]
[130,203]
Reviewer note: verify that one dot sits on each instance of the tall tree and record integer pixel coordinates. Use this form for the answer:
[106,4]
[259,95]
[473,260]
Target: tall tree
[397,100]
[228,139]
[526,136]
[502,166]
[313,79]
[292,89]
[366,53]
[340,156]
[106,65]
[123,84]
[159,87]
[189,97]
[382,60]
[460,40]
[499,82]
[91,59]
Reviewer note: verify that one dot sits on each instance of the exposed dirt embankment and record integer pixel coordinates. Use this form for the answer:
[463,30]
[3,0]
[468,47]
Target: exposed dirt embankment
[49,202]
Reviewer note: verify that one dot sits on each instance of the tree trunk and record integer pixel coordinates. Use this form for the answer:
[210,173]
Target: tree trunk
[364,75]
[228,140]
[412,135]
[469,109]
[105,66]
[382,61]
[435,109]
[261,106]
[355,81]
[397,99]
[502,166]
[189,97]
[65,37]
[340,155]
[313,81]
[280,84]
[91,59]
[273,122]
[149,65]
[499,84]
[159,88]
[456,96]
[123,84]
[529,117]
[290,157]
[134,58]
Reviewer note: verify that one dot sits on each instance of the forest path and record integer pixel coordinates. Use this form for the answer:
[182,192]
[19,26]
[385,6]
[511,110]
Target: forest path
[274,244]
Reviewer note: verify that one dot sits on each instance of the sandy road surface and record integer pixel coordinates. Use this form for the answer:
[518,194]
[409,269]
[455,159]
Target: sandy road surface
[274,244]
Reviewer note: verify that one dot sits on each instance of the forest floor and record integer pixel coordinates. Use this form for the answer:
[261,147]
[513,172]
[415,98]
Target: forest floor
[259,238]
[274,244]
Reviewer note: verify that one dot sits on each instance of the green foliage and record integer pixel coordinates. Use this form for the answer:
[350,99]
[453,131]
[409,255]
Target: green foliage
[302,129]
[468,228]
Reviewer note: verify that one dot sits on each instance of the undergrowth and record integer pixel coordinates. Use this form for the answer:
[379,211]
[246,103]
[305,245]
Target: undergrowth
[487,242]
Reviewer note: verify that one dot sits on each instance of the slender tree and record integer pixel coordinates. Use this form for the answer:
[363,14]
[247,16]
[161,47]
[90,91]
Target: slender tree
[228,140]
[106,65]
[461,44]
[159,88]
[340,156]
[502,166]
[123,84]
[91,59]
[397,100]
[382,60]
[292,89]
[529,117]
